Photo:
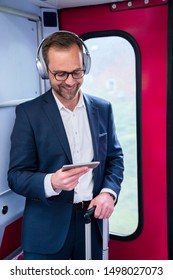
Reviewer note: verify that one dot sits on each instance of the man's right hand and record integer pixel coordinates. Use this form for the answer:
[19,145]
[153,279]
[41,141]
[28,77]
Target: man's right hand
[67,180]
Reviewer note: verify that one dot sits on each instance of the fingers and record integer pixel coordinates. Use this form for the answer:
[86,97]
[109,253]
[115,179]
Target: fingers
[104,206]
[103,213]
[67,180]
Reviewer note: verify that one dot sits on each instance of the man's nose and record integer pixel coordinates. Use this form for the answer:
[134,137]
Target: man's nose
[70,80]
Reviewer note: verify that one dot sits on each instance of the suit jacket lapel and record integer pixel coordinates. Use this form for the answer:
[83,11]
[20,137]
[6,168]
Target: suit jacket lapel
[93,116]
[52,112]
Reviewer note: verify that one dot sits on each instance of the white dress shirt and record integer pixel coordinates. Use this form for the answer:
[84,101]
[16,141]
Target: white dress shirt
[79,137]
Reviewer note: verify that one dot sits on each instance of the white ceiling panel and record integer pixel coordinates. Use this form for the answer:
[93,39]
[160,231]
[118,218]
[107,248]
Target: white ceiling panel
[59,4]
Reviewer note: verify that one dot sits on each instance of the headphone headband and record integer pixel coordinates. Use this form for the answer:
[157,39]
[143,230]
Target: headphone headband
[41,65]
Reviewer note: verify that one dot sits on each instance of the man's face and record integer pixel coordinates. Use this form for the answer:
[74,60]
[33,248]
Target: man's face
[67,60]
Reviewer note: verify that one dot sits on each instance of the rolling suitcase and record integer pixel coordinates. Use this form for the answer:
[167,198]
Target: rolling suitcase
[105,250]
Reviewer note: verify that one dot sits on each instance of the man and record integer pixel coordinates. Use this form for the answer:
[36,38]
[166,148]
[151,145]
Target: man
[64,126]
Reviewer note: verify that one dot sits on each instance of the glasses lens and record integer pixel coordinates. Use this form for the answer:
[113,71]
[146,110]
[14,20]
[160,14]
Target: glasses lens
[61,76]
[78,74]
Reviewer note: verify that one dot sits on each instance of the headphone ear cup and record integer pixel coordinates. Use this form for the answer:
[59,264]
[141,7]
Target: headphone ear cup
[41,66]
[87,62]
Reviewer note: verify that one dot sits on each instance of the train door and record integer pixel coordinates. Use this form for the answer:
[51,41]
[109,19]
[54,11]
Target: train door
[140,30]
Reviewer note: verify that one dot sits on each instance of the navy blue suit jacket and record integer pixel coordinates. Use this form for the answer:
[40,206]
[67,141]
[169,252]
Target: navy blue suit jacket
[40,146]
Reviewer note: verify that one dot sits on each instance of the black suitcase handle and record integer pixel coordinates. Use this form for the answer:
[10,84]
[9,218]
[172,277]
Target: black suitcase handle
[88,214]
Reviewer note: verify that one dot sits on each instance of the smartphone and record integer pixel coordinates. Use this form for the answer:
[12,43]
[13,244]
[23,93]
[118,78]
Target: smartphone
[92,164]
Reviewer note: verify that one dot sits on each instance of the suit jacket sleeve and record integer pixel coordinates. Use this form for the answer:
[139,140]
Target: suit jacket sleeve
[107,149]
[23,175]
[114,161]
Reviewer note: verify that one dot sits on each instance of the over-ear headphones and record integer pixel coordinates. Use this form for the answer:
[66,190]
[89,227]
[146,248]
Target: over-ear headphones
[41,65]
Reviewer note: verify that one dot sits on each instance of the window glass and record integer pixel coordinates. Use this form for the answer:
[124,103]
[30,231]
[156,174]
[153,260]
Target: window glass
[113,77]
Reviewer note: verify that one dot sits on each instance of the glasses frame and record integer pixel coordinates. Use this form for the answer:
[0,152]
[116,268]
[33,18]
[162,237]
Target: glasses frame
[67,74]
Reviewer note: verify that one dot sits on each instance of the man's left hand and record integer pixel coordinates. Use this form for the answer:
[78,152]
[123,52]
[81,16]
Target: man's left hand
[104,203]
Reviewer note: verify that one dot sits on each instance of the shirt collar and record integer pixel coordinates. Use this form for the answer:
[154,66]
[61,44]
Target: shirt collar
[80,103]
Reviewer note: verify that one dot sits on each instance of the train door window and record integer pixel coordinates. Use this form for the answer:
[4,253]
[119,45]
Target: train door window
[113,77]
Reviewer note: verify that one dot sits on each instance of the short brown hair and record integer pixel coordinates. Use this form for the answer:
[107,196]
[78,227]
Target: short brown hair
[61,39]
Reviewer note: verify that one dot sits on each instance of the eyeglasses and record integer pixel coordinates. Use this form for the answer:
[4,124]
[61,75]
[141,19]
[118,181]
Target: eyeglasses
[63,75]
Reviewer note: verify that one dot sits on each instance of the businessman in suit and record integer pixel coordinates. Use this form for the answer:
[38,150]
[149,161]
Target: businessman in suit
[64,126]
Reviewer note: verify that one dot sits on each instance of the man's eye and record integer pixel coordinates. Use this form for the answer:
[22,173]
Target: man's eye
[60,74]
[77,72]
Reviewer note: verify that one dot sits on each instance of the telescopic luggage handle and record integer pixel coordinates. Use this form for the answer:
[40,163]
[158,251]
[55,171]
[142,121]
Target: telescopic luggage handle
[87,218]
[105,251]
